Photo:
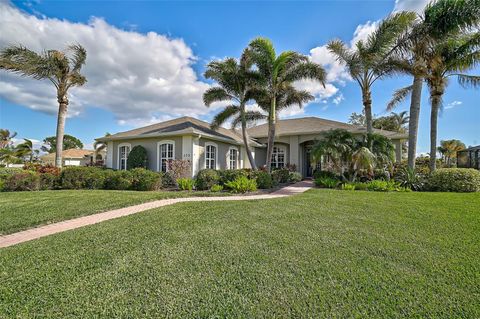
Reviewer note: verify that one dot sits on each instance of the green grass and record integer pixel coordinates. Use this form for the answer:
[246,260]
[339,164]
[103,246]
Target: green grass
[324,253]
[22,210]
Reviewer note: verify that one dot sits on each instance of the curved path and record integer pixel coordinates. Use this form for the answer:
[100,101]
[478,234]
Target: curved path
[42,231]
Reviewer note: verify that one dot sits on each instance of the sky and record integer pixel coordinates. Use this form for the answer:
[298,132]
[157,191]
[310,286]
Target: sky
[145,62]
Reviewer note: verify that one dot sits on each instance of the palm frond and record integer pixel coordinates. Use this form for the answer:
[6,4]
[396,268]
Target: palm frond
[250,116]
[307,70]
[399,96]
[19,59]
[223,116]
[468,81]
[215,94]
[79,56]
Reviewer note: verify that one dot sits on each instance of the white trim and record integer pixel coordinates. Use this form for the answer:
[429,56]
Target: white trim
[216,153]
[227,157]
[284,150]
[109,155]
[118,153]
[158,151]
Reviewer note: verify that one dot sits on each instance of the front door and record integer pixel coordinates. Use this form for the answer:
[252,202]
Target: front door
[308,161]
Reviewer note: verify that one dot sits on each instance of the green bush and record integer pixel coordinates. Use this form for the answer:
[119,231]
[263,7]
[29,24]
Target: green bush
[137,157]
[294,177]
[242,185]
[216,188]
[327,182]
[409,178]
[185,184]
[118,180]
[206,178]
[264,179]
[348,187]
[455,180]
[145,180]
[168,180]
[49,181]
[229,175]
[22,181]
[78,177]
[318,174]
[383,186]
[281,175]
[359,186]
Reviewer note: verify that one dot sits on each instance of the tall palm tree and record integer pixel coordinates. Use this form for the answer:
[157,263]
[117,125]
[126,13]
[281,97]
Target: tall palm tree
[61,68]
[6,137]
[439,19]
[235,79]
[337,146]
[450,58]
[367,62]
[279,71]
[449,149]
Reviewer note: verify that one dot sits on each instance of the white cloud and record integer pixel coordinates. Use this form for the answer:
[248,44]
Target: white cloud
[410,5]
[336,72]
[363,31]
[338,99]
[453,104]
[141,78]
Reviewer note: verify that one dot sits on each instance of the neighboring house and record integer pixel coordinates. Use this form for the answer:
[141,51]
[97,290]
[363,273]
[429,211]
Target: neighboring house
[469,158]
[75,157]
[191,139]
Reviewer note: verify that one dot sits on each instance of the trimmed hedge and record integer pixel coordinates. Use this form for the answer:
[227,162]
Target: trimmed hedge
[145,180]
[455,180]
[264,180]
[137,157]
[281,175]
[206,178]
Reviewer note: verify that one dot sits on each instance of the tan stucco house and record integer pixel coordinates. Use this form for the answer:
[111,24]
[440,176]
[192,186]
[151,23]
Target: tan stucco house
[191,139]
[75,157]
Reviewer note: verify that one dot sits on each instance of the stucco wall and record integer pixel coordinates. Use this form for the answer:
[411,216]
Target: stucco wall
[222,149]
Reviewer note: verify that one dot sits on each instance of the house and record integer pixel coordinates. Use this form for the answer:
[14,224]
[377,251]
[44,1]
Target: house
[191,139]
[469,158]
[75,157]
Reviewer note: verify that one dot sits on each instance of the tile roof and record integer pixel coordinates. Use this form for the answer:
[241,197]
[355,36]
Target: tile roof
[314,125]
[70,153]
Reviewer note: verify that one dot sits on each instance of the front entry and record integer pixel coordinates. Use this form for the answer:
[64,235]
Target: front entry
[309,167]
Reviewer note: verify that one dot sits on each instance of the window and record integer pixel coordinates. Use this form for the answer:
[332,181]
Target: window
[232,158]
[166,153]
[278,157]
[123,151]
[210,156]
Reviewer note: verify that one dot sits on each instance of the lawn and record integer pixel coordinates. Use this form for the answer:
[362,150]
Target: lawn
[324,253]
[22,210]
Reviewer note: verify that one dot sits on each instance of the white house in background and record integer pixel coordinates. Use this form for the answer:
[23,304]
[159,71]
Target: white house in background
[75,157]
[190,139]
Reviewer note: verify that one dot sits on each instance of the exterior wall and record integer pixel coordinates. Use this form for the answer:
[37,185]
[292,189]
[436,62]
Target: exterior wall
[222,152]
[150,144]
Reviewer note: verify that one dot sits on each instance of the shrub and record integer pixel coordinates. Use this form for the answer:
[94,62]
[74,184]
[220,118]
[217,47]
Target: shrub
[185,184]
[281,175]
[294,177]
[229,175]
[206,178]
[49,181]
[383,186]
[455,180]
[145,180]
[327,182]
[168,180]
[380,173]
[216,188]
[319,174]
[264,179]
[137,157]
[179,169]
[39,168]
[348,187]
[409,178]
[77,177]
[22,181]
[118,180]
[359,186]
[242,185]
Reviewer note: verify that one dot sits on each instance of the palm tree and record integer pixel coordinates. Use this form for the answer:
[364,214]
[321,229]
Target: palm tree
[449,59]
[279,71]
[6,138]
[25,150]
[439,19]
[337,146]
[235,79]
[449,149]
[368,61]
[62,69]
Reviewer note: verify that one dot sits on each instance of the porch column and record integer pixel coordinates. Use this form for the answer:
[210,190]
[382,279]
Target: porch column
[294,153]
[398,150]
[195,155]
[109,156]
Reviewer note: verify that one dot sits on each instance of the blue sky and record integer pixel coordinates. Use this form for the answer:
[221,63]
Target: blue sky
[146,59]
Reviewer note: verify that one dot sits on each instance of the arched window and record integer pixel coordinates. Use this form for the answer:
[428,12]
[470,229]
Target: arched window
[166,153]
[123,151]
[278,157]
[232,158]
[211,155]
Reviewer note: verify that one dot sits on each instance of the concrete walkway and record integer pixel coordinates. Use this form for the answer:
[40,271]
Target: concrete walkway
[42,231]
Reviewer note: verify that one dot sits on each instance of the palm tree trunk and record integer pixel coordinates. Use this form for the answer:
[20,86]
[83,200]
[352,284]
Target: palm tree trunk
[367,104]
[436,98]
[271,133]
[414,118]
[245,138]
[62,115]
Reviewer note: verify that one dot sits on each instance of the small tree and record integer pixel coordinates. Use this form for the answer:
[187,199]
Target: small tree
[137,157]
[69,142]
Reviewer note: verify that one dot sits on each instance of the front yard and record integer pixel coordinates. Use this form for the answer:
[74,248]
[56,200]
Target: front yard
[325,253]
